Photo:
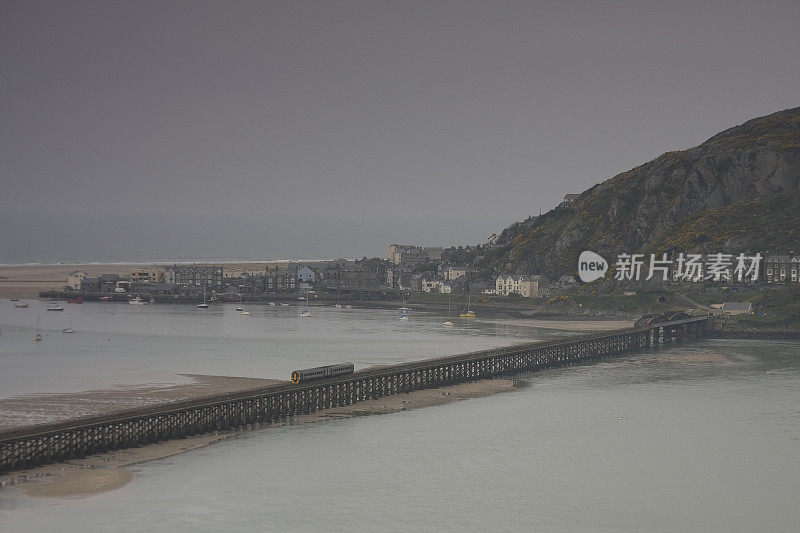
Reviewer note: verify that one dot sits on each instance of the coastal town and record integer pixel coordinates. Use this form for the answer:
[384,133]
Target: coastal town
[406,270]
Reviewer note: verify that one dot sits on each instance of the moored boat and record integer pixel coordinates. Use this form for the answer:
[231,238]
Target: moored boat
[203,305]
[467,312]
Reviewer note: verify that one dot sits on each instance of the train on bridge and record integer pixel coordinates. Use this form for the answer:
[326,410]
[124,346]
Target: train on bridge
[323,387]
[321,372]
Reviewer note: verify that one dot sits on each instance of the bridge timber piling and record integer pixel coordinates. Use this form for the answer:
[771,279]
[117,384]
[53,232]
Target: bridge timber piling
[26,447]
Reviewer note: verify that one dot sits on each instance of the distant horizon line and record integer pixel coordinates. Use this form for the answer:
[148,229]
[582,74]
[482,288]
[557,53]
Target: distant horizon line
[182,262]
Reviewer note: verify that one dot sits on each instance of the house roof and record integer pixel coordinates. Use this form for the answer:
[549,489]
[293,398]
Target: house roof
[514,277]
[460,280]
[521,277]
[737,306]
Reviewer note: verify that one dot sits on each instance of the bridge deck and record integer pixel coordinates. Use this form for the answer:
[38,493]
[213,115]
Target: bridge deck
[268,403]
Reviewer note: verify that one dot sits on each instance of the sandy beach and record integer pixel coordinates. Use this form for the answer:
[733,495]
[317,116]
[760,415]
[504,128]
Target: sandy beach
[82,478]
[570,325]
[34,409]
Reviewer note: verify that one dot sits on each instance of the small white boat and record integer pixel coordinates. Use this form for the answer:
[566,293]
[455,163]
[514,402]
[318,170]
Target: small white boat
[272,304]
[245,313]
[38,336]
[203,305]
[304,313]
[284,305]
[239,308]
[55,308]
[447,323]
[338,306]
[137,301]
[20,305]
[348,306]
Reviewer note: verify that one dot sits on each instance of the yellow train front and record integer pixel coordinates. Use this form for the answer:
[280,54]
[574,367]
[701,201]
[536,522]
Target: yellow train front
[321,372]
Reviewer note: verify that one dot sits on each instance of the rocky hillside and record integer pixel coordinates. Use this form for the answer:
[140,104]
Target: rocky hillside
[739,192]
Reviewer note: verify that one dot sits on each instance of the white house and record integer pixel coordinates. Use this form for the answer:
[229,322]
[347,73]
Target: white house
[74,279]
[526,286]
[306,275]
[453,272]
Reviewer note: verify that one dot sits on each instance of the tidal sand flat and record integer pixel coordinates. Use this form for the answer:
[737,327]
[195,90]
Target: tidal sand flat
[34,409]
[103,472]
[564,325]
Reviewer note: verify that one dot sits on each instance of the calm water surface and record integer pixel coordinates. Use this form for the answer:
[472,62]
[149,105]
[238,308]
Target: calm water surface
[118,344]
[699,438]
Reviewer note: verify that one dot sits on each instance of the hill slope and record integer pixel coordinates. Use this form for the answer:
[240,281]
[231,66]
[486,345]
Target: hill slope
[737,192]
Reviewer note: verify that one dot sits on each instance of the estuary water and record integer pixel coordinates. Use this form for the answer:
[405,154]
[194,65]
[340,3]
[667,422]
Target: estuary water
[702,437]
[122,345]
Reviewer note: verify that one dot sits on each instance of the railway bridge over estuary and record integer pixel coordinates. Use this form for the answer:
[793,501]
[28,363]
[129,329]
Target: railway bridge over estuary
[27,447]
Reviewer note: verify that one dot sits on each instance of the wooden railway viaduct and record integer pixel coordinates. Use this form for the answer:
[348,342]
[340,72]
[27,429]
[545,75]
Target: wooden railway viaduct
[31,446]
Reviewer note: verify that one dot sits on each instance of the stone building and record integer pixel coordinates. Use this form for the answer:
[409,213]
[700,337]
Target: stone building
[194,275]
[280,280]
[782,268]
[74,279]
[526,286]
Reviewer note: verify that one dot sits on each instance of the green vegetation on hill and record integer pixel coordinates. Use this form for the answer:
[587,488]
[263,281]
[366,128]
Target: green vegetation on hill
[737,192]
[775,307]
[767,224]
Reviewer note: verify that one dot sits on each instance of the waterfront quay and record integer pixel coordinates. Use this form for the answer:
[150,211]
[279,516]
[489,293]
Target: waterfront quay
[26,447]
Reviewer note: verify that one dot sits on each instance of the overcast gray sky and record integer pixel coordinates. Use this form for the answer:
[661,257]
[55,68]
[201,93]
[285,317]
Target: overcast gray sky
[428,121]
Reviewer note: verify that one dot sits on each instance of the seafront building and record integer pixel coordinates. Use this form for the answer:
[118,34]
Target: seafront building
[147,275]
[407,255]
[281,280]
[526,286]
[75,278]
[194,275]
[782,268]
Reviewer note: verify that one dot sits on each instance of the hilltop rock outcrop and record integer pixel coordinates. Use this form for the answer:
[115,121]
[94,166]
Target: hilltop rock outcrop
[745,172]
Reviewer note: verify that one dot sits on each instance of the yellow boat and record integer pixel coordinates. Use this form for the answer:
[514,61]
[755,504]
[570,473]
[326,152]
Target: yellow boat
[467,313]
